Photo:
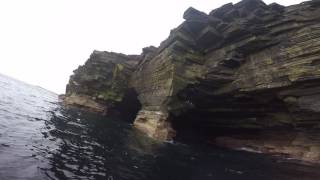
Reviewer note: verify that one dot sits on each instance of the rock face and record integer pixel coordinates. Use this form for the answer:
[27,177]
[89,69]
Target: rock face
[244,66]
[102,82]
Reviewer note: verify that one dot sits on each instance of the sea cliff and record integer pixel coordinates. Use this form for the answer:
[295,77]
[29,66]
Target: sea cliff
[244,68]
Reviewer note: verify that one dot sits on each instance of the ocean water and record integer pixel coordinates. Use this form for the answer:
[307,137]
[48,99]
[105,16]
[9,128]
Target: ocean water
[41,140]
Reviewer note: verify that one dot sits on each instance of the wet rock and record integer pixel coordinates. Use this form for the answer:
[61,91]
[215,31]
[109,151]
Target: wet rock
[85,101]
[155,124]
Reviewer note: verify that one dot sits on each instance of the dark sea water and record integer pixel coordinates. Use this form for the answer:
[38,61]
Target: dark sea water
[41,140]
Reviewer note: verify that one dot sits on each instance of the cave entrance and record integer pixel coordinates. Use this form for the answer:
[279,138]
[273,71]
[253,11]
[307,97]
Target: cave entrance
[230,117]
[195,126]
[129,106]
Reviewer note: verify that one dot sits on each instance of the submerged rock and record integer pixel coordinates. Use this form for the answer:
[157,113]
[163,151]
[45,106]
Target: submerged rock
[244,66]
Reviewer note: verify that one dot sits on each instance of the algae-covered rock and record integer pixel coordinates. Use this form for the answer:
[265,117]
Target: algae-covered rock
[103,79]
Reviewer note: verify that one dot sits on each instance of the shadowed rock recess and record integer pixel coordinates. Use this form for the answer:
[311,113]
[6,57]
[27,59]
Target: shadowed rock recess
[244,67]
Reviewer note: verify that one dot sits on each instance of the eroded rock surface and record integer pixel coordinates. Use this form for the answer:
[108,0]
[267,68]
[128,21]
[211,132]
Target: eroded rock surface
[102,82]
[242,66]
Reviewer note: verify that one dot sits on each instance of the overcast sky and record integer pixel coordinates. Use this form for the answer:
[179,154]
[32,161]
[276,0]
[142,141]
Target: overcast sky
[43,41]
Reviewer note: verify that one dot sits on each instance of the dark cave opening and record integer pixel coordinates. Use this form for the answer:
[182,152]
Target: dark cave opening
[229,115]
[230,119]
[203,126]
[129,106]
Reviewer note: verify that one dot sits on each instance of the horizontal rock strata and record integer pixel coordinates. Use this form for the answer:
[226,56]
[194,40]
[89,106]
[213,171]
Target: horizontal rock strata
[242,66]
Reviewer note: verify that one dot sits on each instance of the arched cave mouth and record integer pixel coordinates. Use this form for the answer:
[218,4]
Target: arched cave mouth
[129,106]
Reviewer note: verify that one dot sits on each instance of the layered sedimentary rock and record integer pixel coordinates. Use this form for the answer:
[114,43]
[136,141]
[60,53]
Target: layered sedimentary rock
[242,66]
[102,82]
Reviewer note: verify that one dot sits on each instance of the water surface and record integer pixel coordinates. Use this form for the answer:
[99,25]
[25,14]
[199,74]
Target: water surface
[41,140]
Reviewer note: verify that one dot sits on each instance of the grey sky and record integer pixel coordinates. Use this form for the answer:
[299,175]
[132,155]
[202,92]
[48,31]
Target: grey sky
[43,41]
